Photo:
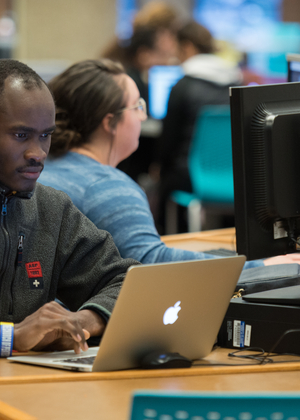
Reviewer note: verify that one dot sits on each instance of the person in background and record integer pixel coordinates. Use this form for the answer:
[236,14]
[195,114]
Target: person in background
[153,42]
[98,121]
[48,248]
[162,21]
[206,81]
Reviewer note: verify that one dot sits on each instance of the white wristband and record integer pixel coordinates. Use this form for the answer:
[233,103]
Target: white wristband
[6,338]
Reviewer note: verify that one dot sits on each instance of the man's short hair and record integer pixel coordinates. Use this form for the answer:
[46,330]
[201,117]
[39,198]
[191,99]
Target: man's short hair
[14,68]
[198,35]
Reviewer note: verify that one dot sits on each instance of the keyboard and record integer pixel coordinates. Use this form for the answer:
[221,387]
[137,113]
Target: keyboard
[88,360]
[221,252]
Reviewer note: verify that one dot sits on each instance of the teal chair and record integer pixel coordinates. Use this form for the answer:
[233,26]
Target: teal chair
[210,167]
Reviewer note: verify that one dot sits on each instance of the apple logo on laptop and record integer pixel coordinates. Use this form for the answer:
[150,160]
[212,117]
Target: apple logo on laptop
[171,314]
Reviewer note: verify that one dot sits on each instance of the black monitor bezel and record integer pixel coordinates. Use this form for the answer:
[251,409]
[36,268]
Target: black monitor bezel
[291,58]
[253,241]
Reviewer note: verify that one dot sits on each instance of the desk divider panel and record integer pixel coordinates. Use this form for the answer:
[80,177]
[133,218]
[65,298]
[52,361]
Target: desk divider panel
[213,406]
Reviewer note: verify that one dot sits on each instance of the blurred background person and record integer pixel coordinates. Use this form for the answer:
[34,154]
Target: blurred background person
[206,81]
[153,42]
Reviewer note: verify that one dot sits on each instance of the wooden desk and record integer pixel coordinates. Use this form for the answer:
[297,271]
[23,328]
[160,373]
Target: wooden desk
[18,373]
[203,241]
[55,394]
[111,399]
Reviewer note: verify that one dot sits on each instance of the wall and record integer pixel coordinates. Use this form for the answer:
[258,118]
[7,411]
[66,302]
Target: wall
[70,30]
[291,11]
[73,30]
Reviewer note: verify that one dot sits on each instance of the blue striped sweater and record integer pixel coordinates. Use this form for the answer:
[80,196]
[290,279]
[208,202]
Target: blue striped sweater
[117,204]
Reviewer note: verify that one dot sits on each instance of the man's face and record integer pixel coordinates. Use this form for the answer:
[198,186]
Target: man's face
[27,120]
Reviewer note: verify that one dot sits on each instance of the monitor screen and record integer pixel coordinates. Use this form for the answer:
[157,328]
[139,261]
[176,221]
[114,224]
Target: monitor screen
[161,79]
[237,21]
[293,62]
[265,123]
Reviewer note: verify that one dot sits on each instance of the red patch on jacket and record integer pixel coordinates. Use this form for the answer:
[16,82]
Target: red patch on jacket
[34,269]
[35,275]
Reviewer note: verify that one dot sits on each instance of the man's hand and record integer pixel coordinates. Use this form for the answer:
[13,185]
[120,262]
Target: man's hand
[284,259]
[53,327]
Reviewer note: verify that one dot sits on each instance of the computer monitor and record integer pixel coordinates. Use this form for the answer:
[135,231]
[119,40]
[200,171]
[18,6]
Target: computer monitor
[161,79]
[293,63]
[265,124]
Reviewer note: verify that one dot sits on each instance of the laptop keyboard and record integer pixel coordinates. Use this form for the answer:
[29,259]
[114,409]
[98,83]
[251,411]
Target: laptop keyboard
[89,360]
[221,252]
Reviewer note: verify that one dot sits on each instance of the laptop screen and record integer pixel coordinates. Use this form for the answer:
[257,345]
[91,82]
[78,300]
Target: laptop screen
[161,79]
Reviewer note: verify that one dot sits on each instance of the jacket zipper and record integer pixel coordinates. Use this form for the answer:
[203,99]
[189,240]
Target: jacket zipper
[20,249]
[3,215]
[19,264]
[4,207]
[5,232]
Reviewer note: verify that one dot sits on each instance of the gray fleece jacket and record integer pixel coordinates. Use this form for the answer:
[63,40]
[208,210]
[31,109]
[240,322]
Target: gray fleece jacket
[48,250]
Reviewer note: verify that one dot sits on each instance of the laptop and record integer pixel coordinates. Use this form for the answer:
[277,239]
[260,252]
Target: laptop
[167,307]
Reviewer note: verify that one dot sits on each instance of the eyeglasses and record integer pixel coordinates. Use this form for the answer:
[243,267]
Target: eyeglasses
[140,106]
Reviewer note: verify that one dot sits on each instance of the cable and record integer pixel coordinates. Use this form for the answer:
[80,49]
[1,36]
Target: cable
[280,339]
[296,241]
[263,357]
[259,357]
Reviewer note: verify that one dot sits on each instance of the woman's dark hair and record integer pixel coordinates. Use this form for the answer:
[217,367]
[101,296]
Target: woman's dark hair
[143,37]
[197,35]
[84,94]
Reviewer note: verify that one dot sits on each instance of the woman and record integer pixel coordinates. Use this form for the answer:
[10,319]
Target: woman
[98,122]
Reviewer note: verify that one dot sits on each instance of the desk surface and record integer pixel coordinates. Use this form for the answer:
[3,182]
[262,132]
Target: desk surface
[44,393]
[203,241]
[110,399]
[18,373]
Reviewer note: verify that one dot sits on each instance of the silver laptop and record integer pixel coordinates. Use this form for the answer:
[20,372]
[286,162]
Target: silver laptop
[169,307]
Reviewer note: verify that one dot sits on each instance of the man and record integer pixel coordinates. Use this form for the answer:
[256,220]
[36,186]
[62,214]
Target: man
[48,249]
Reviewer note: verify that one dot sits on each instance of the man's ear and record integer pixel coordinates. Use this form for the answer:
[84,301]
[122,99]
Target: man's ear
[107,124]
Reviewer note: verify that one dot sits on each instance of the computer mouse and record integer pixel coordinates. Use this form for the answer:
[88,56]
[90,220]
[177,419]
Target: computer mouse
[162,360]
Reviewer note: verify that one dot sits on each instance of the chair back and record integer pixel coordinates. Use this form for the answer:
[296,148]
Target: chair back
[210,156]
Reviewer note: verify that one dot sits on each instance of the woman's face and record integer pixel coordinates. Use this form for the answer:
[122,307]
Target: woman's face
[128,129]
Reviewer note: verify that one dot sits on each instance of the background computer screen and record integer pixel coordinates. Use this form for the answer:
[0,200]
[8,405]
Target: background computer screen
[265,123]
[161,79]
[293,62]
